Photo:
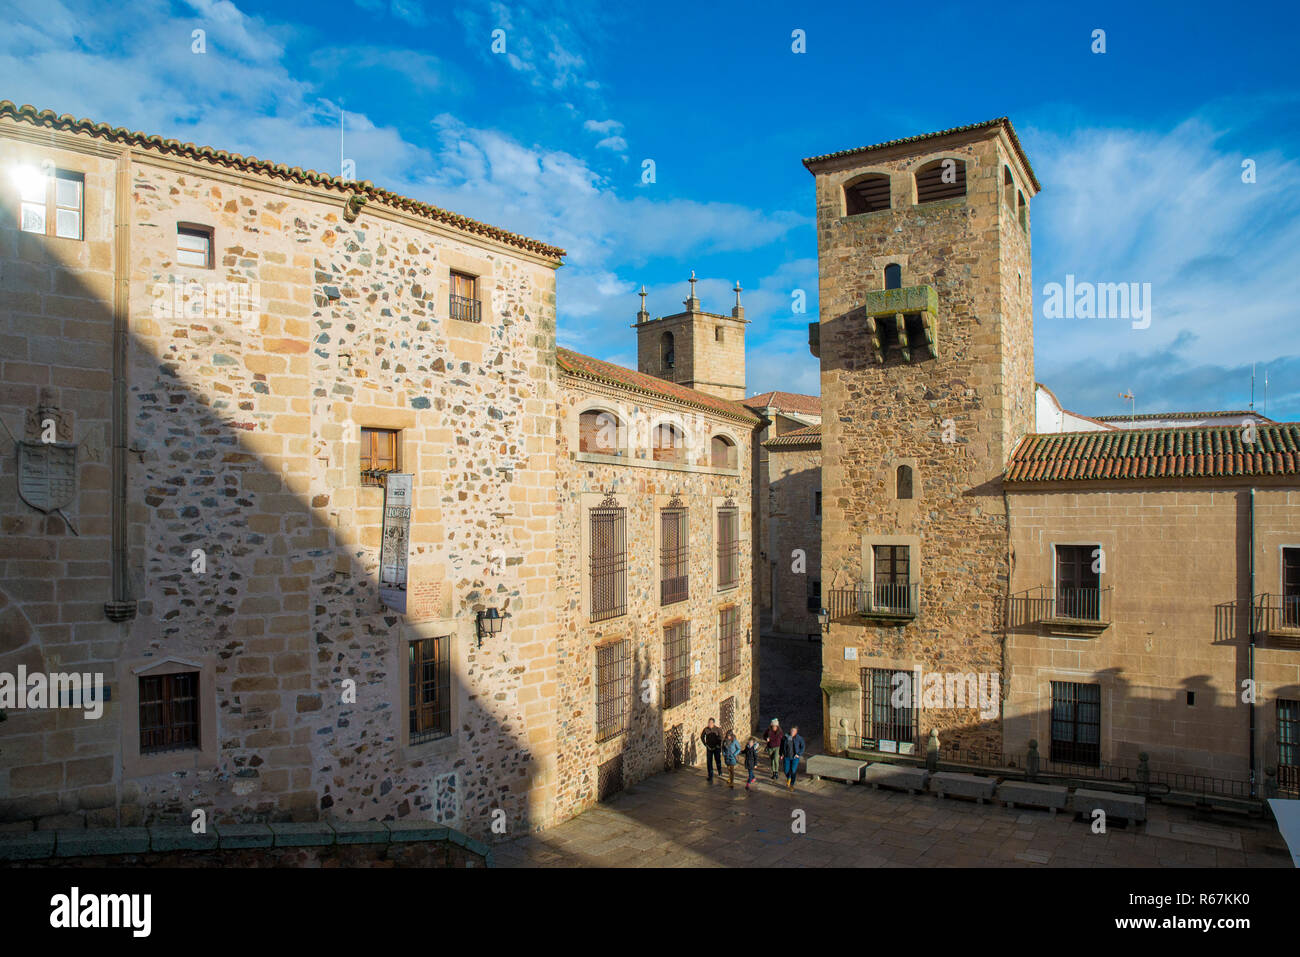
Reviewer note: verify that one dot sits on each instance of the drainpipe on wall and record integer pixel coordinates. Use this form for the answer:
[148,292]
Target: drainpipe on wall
[1251,704]
[121,607]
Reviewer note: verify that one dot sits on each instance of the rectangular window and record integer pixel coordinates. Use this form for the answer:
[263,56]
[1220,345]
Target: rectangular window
[728,643]
[892,583]
[613,683]
[817,504]
[430,688]
[1288,744]
[1076,723]
[1291,587]
[881,719]
[169,712]
[194,245]
[814,595]
[727,715]
[728,548]
[52,205]
[674,556]
[1078,583]
[608,562]
[677,664]
[378,455]
[465,304]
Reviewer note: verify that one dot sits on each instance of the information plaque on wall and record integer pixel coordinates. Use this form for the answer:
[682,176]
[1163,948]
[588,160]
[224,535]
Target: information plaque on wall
[395,545]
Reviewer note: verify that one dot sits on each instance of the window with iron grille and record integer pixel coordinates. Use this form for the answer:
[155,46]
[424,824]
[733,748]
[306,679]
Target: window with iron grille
[881,719]
[727,715]
[1288,744]
[1291,587]
[677,664]
[465,304]
[674,556]
[169,712]
[430,688]
[1076,723]
[608,562]
[728,643]
[378,455]
[728,548]
[613,684]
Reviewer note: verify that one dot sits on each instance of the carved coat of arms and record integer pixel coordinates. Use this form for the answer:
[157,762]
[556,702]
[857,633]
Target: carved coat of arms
[47,474]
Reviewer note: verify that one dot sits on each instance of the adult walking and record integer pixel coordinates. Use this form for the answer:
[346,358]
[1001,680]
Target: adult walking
[730,752]
[791,752]
[774,737]
[712,738]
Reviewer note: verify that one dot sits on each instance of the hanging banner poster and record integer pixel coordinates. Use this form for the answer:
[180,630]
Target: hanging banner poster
[396,542]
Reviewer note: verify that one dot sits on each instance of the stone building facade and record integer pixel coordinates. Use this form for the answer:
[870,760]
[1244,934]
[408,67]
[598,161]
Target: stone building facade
[794,507]
[781,412]
[697,349]
[926,346]
[656,622]
[319,471]
[240,585]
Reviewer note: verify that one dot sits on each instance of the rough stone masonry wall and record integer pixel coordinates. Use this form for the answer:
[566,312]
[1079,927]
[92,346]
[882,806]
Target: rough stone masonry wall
[1177,564]
[876,418]
[249,432]
[795,478]
[56,327]
[644,489]
[244,444]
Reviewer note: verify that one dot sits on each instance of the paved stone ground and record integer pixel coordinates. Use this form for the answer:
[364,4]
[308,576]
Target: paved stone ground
[676,819]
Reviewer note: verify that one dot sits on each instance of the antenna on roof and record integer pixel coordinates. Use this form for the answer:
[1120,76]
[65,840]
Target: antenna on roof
[1129,395]
[1252,387]
[1265,392]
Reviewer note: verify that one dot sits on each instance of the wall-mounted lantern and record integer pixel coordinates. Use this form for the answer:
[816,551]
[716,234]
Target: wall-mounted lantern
[489,623]
[824,619]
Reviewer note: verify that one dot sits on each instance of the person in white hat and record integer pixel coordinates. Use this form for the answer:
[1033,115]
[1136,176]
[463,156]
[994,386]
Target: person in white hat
[774,738]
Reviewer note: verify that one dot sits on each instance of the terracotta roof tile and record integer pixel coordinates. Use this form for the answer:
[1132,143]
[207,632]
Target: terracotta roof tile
[1188,452]
[586,367]
[795,402]
[809,437]
[251,164]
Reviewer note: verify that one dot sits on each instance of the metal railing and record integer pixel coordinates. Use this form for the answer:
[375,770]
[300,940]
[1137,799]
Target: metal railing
[465,309]
[879,599]
[1276,613]
[1059,603]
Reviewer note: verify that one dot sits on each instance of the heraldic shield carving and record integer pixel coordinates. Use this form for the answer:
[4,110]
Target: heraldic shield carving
[47,474]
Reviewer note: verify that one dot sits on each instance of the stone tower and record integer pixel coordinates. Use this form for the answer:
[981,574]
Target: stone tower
[926,346]
[702,350]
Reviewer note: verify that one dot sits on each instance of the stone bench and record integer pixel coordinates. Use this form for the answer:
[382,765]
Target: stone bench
[1131,807]
[1053,797]
[837,769]
[946,783]
[911,780]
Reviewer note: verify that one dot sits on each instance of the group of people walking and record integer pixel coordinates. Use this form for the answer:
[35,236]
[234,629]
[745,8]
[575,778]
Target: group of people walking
[723,747]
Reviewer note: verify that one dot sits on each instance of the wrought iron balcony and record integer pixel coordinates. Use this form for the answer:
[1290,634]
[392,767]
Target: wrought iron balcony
[1072,612]
[466,310]
[888,601]
[1278,617]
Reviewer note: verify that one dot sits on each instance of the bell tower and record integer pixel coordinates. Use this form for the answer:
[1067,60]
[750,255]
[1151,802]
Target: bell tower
[700,350]
[925,336]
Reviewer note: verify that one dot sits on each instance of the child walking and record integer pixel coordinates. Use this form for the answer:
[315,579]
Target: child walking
[730,749]
[751,760]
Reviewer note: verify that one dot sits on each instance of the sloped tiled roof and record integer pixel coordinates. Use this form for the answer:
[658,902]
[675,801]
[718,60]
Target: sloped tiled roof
[805,438]
[795,402]
[1194,452]
[1142,416]
[251,164]
[1001,121]
[585,367]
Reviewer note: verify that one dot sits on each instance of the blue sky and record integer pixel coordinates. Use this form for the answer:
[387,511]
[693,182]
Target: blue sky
[1139,149]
